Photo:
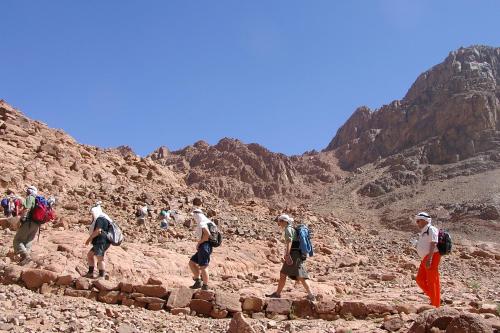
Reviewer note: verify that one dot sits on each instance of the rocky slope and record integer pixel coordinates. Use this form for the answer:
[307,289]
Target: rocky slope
[450,113]
[238,171]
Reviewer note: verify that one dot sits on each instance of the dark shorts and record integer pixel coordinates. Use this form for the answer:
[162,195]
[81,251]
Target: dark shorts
[202,256]
[100,248]
[297,269]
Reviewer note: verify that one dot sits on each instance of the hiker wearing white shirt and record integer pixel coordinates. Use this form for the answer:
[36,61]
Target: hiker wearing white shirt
[428,272]
[201,259]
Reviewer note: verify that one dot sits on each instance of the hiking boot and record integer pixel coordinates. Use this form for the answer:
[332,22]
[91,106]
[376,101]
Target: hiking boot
[273,295]
[197,284]
[204,287]
[89,275]
[25,260]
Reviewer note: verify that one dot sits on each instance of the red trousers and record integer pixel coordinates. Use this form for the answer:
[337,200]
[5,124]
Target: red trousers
[428,279]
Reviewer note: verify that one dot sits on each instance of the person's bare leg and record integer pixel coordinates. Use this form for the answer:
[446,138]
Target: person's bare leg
[91,263]
[195,269]
[204,274]
[101,266]
[281,284]
[306,285]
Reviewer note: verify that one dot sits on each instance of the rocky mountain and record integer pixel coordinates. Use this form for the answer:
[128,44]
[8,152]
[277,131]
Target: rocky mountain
[449,114]
[238,171]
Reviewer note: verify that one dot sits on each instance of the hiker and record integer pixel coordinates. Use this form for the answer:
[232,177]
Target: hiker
[164,217]
[293,263]
[201,259]
[142,214]
[98,237]
[11,204]
[27,231]
[428,272]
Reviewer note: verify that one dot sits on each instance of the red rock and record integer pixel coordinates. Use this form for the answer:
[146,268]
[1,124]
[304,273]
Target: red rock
[278,306]
[393,324]
[65,280]
[12,274]
[228,301]
[180,298]
[126,287]
[239,324]
[253,304]
[304,309]
[138,304]
[356,309]
[82,283]
[34,278]
[152,290]
[154,281]
[105,285]
[206,295]
[327,307]
[439,318]
[218,313]
[388,277]
[201,306]
[178,311]
[469,323]
[128,301]
[109,297]
[150,300]
[155,306]
[380,308]
[406,308]
[77,293]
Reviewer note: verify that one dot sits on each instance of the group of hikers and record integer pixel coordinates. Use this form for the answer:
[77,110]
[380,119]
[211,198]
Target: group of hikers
[103,232]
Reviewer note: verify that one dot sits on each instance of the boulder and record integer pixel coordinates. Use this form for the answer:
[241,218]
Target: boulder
[12,274]
[155,306]
[105,285]
[77,293]
[150,300]
[469,323]
[393,324]
[180,298]
[65,280]
[126,287]
[201,307]
[34,278]
[439,318]
[253,304]
[152,290]
[109,297]
[327,307]
[228,301]
[82,283]
[218,313]
[304,309]
[356,309]
[206,295]
[154,281]
[278,306]
[239,324]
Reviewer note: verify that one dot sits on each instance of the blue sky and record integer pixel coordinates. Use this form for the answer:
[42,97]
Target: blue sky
[284,74]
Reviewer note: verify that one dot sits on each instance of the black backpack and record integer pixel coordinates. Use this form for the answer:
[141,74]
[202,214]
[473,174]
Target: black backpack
[444,241]
[215,235]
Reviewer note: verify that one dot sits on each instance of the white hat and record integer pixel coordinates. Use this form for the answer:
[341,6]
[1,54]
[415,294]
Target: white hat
[32,190]
[284,217]
[423,216]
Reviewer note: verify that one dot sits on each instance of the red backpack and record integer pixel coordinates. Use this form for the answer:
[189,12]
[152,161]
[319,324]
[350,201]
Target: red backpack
[42,212]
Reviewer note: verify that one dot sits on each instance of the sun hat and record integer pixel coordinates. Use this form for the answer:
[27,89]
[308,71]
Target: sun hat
[423,216]
[284,217]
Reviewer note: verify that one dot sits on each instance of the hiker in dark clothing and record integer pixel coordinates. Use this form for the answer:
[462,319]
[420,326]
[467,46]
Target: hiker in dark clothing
[293,264]
[98,237]
[27,231]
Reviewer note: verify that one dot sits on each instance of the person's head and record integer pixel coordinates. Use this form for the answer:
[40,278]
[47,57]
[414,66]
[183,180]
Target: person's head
[283,220]
[422,219]
[9,193]
[32,190]
[163,214]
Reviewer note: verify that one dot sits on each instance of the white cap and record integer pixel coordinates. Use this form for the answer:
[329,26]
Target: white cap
[284,217]
[423,216]
[32,190]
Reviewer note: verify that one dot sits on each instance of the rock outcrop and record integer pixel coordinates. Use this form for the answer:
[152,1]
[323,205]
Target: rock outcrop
[451,113]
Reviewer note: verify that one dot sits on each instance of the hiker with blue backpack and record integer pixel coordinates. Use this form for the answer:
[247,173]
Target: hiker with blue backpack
[35,211]
[297,248]
[103,232]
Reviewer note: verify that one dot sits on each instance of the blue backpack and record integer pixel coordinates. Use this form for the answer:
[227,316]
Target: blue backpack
[304,238]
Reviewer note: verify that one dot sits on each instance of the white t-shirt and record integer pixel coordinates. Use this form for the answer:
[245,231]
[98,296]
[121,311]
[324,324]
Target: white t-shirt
[426,238]
[202,223]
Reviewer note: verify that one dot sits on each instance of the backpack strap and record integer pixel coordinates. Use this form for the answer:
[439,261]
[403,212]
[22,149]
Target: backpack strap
[427,231]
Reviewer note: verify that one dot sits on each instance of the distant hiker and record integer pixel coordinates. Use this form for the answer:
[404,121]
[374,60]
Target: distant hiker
[141,214]
[201,259]
[293,262]
[27,231]
[164,217]
[98,237]
[428,273]
[11,204]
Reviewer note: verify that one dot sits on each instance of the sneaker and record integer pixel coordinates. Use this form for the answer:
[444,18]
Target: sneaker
[311,298]
[273,295]
[197,284]
[25,260]
[89,275]
[204,287]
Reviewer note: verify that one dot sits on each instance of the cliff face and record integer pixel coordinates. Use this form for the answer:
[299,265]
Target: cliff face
[235,170]
[451,112]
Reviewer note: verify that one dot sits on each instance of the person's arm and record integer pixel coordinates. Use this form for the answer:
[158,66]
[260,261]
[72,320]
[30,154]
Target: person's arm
[205,236]
[288,248]
[97,232]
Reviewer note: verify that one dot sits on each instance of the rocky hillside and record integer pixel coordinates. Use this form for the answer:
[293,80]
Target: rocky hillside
[450,113]
[238,171]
